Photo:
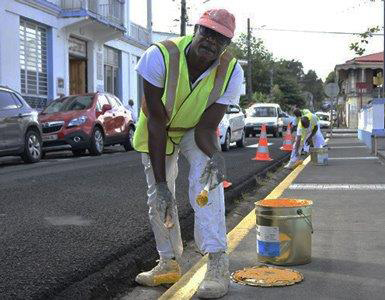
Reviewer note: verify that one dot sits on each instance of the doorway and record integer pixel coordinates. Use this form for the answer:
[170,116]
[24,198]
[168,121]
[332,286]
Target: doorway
[78,76]
[77,66]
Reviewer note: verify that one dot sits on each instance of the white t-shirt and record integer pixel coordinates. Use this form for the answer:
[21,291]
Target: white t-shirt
[151,67]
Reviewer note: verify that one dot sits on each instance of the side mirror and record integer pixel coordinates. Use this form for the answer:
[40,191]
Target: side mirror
[106,107]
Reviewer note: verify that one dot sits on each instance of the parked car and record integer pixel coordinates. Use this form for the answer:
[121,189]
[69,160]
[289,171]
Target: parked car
[20,132]
[232,128]
[324,119]
[264,113]
[284,120]
[88,121]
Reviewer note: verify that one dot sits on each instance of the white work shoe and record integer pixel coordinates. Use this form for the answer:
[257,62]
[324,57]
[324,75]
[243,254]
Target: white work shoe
[293,165]
[217,277]
[166,272]
[289,165]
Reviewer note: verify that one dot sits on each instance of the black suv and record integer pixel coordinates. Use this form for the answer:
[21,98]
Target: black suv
[20,132]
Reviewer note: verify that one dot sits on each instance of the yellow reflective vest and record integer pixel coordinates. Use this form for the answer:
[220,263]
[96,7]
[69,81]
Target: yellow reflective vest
[313,123]
[183,104]
[304,112]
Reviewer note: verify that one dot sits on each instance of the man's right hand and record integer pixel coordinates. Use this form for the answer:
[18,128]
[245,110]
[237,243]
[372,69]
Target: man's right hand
[164,203]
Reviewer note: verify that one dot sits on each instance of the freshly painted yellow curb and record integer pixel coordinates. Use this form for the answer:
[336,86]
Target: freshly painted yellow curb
[186,287]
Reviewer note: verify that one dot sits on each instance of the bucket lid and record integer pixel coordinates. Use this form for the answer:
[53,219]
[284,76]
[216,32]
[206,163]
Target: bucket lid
[266,276]
[284,202]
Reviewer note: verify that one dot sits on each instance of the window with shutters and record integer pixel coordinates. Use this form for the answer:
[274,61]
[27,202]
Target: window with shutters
[111,70]
[33,59]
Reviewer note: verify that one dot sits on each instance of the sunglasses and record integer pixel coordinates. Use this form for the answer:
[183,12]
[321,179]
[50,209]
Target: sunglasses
[209,33]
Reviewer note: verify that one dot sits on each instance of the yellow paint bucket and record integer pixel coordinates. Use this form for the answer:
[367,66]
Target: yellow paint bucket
[284,231]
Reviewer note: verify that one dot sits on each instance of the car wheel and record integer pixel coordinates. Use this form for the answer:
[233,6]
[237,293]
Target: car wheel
[226,144]
[129,140]
[97,142]
[32,147]
[78,152]
[242,141]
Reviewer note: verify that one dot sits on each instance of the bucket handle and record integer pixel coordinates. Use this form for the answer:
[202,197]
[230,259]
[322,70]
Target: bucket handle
[300,212]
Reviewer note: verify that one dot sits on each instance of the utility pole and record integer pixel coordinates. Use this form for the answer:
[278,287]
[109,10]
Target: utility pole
[183,17]
[249,89]
[271,73]
[383,70]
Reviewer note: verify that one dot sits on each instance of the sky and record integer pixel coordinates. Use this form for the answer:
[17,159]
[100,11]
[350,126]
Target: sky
[319,52]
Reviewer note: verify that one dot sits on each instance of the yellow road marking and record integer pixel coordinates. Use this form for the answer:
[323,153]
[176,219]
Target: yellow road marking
[186,287]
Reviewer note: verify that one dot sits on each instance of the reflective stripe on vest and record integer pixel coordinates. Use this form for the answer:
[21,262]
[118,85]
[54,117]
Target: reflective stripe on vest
[173,75]
[219,78]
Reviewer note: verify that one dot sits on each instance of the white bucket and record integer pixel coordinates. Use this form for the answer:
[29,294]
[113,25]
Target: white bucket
[319,156]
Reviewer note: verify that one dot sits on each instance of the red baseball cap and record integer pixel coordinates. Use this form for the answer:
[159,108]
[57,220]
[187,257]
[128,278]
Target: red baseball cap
[219,20]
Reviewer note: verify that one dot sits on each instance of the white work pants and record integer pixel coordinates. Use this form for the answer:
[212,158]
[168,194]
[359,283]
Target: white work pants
[209,225]
[318,141]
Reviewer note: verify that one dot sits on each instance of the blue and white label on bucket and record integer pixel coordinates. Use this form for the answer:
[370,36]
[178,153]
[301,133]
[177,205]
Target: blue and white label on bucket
[268,243]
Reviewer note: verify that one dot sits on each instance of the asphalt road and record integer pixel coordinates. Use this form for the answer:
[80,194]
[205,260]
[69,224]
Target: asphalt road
[74,228]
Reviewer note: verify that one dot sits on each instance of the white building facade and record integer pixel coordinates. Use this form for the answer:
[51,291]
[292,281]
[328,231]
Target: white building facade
[50,48]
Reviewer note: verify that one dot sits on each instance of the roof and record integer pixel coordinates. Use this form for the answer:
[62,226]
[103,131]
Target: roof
[265,104]
[371,58]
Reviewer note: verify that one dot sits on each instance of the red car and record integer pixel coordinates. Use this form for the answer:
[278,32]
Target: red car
[89,121]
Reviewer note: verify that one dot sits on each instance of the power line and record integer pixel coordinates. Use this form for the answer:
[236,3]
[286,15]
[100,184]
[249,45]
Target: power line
[315,31]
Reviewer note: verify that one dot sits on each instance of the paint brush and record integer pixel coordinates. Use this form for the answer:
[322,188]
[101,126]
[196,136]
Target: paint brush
[203,198]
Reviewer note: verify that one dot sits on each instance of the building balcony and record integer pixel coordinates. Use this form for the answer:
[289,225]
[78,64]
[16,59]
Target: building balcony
[139,34]
[109,12]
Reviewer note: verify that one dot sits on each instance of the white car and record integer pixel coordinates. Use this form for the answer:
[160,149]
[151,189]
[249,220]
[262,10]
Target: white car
[324,119]
[232,128]
[264,113]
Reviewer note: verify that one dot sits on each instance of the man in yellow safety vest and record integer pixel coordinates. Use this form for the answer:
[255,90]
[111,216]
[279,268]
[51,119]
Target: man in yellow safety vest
[308,134]
[188,84]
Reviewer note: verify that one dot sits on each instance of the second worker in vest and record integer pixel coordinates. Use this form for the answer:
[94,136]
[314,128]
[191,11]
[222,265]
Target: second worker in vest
[298,113]
[308,133]
[188,83]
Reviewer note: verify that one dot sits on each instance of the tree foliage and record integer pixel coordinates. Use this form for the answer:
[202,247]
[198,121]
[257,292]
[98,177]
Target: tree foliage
[279,81]
[311,83]
[359,46]
[331,77]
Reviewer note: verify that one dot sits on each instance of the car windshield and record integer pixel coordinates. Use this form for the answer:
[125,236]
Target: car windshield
[323,117]
[69,104]
[264,112]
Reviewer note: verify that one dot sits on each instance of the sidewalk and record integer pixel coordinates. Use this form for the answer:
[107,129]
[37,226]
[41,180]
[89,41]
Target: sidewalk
[348,247]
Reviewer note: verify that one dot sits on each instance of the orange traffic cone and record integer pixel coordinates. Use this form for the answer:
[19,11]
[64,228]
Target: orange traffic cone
[287,140]
[226,184]
[263,150]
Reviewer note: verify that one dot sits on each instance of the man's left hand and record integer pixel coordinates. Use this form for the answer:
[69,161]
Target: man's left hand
[215,171]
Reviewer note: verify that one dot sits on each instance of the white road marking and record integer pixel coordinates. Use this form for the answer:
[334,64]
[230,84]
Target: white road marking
[68,220]
[256,145]
[354,158]
[346,147]
[338,187]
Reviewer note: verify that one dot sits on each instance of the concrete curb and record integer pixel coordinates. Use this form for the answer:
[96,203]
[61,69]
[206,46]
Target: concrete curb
[236,191]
